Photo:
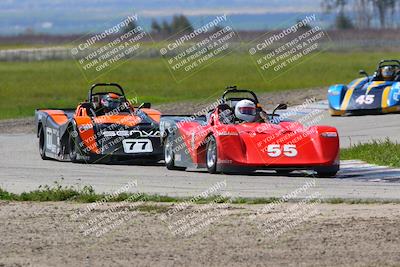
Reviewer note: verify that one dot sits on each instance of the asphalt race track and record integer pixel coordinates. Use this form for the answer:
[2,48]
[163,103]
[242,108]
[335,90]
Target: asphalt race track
[23,170]
[352,129]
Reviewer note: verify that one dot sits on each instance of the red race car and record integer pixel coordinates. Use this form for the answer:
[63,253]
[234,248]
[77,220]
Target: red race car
[238,136]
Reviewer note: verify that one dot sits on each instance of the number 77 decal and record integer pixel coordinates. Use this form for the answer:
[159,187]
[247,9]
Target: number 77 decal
[137,145]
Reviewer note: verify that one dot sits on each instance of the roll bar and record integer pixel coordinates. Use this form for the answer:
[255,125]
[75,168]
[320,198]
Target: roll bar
[104,85]
[234,90]
[382,62]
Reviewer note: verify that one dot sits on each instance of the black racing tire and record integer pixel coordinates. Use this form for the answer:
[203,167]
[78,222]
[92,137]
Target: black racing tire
[283,172]
[169,155]
[238,172]
[211,155]
[42,144]
[152,161]
[73,154]
[326,174]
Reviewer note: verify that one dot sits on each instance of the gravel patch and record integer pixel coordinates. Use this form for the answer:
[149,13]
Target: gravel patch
[47,234]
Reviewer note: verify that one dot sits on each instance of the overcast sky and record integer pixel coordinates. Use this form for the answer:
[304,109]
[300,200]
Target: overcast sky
[81,15]
[161,7]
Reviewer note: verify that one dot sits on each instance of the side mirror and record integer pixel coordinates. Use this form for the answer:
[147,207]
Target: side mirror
[279,107]
[212,120]
[144,105]
[363,72]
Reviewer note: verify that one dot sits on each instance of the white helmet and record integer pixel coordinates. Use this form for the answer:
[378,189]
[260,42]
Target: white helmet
[245,110]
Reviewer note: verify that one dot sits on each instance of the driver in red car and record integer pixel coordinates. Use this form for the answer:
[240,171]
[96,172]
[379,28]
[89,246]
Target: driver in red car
[246,111]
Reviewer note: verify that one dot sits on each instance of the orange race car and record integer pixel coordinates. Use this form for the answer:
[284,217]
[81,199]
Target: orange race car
[105,128]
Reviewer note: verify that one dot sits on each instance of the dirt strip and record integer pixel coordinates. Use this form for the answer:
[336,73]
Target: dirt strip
[17,126]
[48,234]
[268,100]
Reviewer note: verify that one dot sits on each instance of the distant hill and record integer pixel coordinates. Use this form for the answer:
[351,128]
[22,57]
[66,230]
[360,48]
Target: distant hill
[80,16]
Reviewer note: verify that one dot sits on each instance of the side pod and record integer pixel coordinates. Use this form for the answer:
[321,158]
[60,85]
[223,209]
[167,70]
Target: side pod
[335,95]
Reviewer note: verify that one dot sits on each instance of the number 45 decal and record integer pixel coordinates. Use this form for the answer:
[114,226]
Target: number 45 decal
[277,150]
[365,99]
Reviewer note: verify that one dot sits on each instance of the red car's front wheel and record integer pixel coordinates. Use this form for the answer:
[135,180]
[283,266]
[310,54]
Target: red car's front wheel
[211,155]
[169,154]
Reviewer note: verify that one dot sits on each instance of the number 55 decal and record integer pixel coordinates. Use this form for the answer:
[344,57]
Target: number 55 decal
[287,150]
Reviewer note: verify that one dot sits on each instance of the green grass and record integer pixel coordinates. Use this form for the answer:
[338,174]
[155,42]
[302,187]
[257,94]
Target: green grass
[384,153]
[358,201]
[57,192]
[8,46]
[152,208]
[26,86]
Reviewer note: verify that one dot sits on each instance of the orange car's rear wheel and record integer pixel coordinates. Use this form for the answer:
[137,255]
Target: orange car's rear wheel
[42,144]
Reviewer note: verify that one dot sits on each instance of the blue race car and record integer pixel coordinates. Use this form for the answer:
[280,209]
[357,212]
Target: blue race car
[376,94]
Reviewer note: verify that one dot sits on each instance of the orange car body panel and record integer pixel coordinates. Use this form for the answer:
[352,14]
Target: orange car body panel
[58,116]
[152,113]
[84,123]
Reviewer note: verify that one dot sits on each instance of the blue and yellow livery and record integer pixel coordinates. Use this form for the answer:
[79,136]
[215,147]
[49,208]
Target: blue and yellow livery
[369,95]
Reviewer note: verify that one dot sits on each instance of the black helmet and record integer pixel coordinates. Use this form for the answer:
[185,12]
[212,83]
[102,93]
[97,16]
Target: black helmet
[388,72]
[111,102]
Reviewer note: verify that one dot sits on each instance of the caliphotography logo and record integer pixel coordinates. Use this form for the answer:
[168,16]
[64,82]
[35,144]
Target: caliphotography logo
[97,53]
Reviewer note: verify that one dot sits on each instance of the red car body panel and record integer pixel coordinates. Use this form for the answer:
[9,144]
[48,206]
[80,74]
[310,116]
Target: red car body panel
[247,144]
[268,144]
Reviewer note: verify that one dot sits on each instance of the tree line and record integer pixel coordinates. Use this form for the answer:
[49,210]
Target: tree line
[363,14]
[179,23]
